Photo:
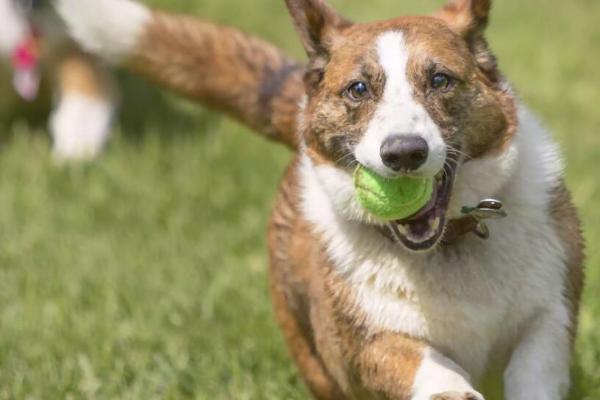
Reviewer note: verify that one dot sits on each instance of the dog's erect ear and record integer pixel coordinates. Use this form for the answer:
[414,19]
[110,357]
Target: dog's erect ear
[469,18]
[317,24]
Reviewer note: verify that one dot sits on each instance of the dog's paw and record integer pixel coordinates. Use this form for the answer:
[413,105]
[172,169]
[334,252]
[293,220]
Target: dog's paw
[80,127]
[457,396]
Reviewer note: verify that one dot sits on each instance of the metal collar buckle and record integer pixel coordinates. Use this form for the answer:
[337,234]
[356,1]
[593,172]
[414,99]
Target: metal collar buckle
[486,209]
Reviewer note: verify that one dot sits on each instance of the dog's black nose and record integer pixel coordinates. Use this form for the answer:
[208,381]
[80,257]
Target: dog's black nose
[404,152]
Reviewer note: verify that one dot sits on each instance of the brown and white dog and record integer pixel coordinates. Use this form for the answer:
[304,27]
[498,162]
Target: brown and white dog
[424,312]
[33,39]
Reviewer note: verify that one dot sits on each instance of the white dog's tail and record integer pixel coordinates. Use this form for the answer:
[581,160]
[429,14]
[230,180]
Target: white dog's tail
[219,66]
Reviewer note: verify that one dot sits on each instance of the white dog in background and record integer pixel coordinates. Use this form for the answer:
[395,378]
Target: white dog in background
[32,39]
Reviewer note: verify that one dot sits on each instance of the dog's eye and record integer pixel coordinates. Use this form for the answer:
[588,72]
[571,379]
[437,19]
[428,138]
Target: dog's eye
[440,81]
[358,91]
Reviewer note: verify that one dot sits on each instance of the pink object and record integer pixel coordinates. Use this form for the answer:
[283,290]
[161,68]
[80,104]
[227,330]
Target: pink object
[24,57]
[25,61]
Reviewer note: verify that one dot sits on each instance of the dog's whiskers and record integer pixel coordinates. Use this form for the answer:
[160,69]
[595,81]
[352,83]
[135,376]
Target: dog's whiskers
[348,156]
[455,151]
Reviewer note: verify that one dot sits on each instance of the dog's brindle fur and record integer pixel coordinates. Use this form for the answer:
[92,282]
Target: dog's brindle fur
[244,76]
[335,349]
[339,353]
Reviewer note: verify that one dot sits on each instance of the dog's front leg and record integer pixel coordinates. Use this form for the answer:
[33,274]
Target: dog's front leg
[400,368]
[539,366]
[80,123]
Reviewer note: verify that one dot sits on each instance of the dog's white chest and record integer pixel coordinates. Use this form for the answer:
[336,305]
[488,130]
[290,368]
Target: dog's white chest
[468,302]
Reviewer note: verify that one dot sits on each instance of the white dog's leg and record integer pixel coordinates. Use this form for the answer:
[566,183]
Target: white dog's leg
[80,124]
[539,367]
[439,378]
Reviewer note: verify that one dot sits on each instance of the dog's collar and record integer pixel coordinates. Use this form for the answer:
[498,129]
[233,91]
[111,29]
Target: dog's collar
[471,222]
[459,227]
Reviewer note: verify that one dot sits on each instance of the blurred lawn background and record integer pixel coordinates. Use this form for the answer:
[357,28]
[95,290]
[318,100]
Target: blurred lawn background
[143,275]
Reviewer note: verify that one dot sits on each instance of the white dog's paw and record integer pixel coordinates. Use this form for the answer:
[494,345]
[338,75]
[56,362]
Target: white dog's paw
[439,378]
[80,127]
[457,396]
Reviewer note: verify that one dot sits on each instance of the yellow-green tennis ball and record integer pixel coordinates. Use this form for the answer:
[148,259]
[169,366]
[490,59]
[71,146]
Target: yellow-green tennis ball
[391,198]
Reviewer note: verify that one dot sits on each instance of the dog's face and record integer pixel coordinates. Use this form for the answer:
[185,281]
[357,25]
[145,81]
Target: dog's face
[414,96]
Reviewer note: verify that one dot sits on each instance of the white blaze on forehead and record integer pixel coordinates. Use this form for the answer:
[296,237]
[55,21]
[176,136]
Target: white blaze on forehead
[398,113]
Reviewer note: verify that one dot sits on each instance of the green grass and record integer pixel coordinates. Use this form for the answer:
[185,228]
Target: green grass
[143,275]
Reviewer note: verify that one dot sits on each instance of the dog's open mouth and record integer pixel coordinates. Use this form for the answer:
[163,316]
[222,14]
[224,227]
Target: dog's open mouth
[423,230]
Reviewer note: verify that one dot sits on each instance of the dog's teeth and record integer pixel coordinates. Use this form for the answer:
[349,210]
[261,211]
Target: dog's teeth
[436,224]
[403,229]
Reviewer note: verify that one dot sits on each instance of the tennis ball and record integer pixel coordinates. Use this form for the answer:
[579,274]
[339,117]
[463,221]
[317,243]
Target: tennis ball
[391,198]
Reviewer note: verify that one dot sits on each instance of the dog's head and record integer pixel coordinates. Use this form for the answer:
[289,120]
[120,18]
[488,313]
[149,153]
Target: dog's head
[412,95]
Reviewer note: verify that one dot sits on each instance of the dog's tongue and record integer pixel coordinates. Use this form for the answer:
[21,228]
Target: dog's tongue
[419,227]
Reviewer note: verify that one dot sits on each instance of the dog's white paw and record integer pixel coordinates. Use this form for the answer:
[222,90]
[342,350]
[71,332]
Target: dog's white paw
[439,378]
[457,396]
[80,127]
